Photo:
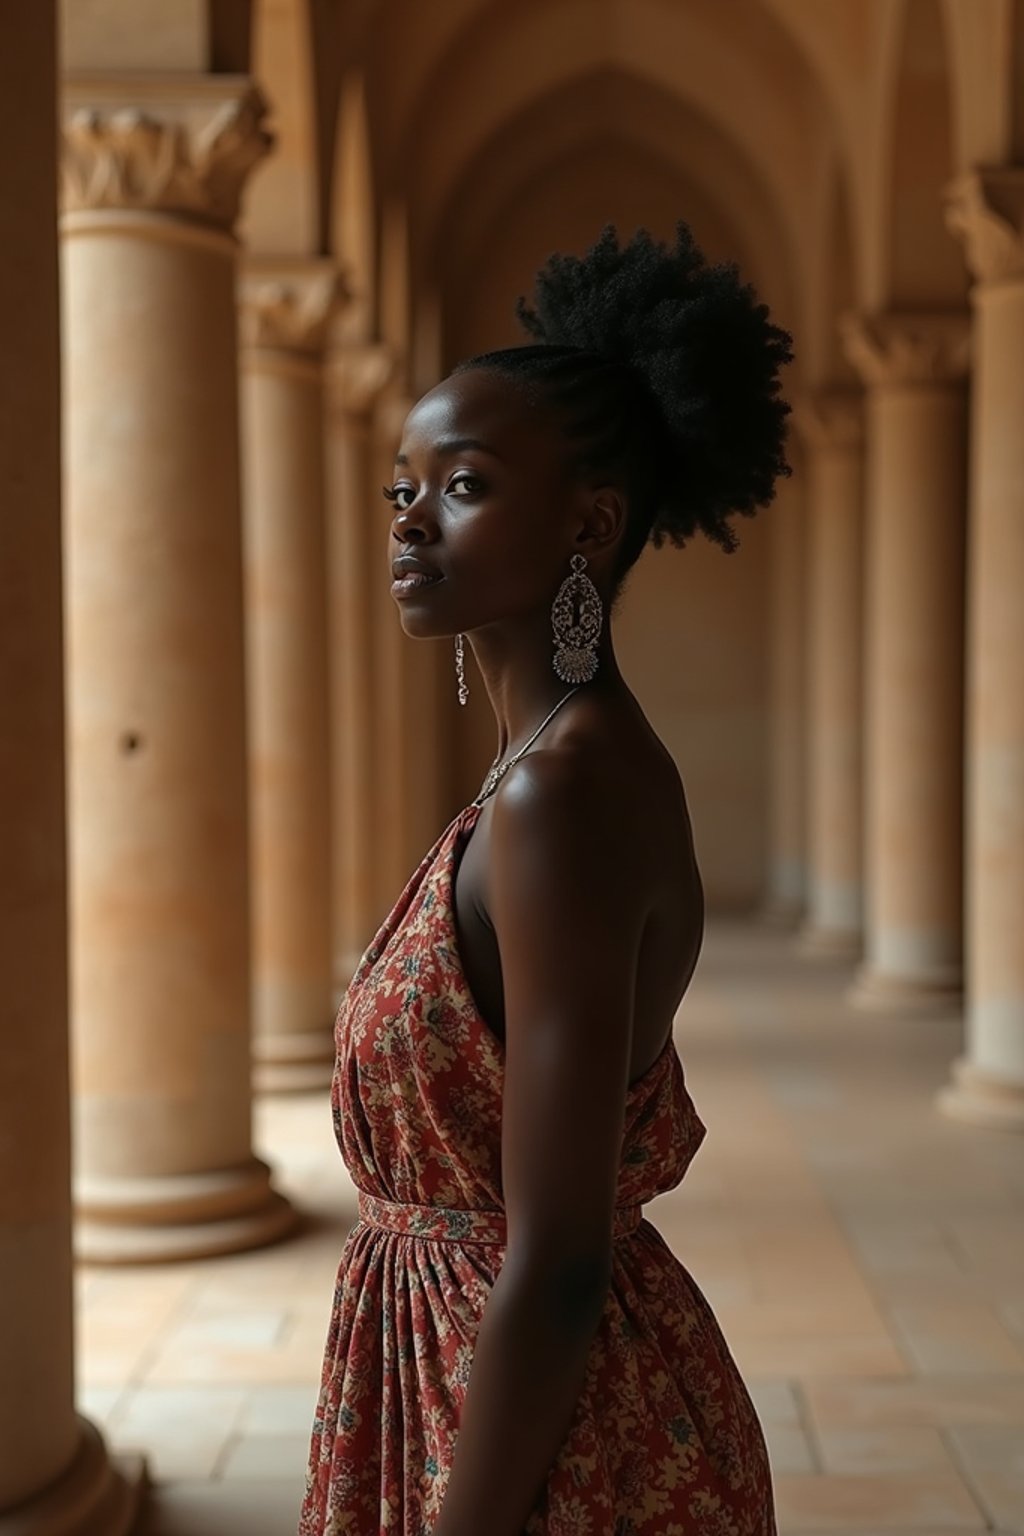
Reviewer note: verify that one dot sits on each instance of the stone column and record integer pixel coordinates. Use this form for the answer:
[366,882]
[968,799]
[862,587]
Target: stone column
[160,950]
[914,366]
[787,872]
[357,522]
[987,209]
[286,308]
[409,739]
[830,421]
[55,1475]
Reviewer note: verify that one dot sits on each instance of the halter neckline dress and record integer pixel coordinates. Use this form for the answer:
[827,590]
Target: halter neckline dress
[665,1440]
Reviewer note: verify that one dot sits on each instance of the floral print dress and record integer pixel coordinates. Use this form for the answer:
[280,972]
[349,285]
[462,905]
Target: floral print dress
[665,1440]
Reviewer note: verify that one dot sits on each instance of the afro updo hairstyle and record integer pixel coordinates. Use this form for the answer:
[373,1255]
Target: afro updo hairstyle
[664,371]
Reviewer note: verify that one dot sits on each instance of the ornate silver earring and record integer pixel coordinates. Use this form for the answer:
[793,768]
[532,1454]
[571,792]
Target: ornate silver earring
[576,622]
[460,669]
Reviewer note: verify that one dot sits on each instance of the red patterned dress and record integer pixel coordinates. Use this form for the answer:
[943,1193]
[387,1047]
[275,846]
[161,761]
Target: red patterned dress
[665,1440]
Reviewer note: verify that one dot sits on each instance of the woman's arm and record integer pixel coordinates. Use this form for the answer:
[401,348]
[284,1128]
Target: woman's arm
[563,892]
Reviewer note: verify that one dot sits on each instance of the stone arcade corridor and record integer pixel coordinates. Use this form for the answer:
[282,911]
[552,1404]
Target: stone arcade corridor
[278,223]
[865,1256]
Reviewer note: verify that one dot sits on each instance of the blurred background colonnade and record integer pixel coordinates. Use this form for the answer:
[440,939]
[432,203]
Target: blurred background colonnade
[278,224]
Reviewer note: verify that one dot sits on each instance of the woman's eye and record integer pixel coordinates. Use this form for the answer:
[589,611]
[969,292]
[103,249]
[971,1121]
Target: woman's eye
[468,484]
[395,494]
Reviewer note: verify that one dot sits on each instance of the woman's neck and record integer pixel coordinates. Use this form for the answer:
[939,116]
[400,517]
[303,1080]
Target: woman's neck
[521,682]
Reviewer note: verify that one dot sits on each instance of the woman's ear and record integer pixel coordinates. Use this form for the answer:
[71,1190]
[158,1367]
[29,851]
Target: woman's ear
[607,517]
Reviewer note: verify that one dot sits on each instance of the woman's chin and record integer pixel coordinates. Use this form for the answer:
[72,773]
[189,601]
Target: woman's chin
[419,624]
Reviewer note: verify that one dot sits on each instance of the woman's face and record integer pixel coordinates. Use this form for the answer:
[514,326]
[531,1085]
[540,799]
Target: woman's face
[486,499]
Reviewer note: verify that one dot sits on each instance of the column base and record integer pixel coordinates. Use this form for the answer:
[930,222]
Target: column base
[193,1216]
[981,1099]
[97,1495]
[829,943]
[875,992]
[294,1063]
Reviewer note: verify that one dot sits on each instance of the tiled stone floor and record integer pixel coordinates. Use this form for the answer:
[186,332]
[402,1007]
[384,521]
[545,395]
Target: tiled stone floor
[864,1255]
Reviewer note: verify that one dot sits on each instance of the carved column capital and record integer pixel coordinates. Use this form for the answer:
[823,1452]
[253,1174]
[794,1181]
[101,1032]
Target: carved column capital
[288,306]
[165,146]
[830,417]
[985,209]
[357,373]
[926,347]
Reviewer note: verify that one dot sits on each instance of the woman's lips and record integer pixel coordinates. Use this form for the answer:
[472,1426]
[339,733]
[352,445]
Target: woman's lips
[404,586]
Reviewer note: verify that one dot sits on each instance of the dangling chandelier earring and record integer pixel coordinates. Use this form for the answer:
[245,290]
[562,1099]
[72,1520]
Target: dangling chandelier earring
[576,622]
[460,669]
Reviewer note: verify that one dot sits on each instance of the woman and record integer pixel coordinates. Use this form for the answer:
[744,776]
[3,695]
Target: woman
[513,1349]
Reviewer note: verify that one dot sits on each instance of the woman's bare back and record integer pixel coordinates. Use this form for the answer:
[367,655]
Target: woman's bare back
[664,872]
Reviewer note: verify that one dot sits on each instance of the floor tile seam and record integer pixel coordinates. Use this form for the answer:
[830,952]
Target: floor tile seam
[854,1276]
[150,1440]
[228,1439]
[931,1529]
[200,1387]
[853,1383]
[957,1251]
[110,1418]
[223,1456]
[1004,1309]
[962,1254]
[826,1201]
[753,1080]
[150,1352]
[904,1338]
[818,1200]
[805,1419]
[872,1290]
[946,1432]
[136,1377]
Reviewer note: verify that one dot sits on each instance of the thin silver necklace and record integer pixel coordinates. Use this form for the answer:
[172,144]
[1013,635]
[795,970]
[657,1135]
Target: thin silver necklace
[498,770]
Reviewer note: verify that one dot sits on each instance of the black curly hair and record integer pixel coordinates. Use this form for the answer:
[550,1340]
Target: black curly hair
[665,370]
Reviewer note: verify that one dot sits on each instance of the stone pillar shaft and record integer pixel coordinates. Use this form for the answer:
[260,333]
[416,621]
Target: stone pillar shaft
[832,428]
[356,374]
[987,209]
[914,367]
[787,873]
[157,724]
[55,1475]
[286,308]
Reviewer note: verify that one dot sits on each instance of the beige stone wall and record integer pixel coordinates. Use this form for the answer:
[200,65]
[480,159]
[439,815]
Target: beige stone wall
[692,641]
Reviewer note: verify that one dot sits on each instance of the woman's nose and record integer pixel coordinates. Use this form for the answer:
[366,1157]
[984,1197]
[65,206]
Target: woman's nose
[408,528]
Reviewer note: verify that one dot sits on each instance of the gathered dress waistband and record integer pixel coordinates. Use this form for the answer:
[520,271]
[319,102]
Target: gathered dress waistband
[456,1224]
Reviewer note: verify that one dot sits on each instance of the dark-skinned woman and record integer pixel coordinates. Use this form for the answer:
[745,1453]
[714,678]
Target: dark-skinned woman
[513,1349]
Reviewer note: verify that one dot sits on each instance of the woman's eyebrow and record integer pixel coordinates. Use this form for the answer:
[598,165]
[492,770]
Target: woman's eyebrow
[452,445]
